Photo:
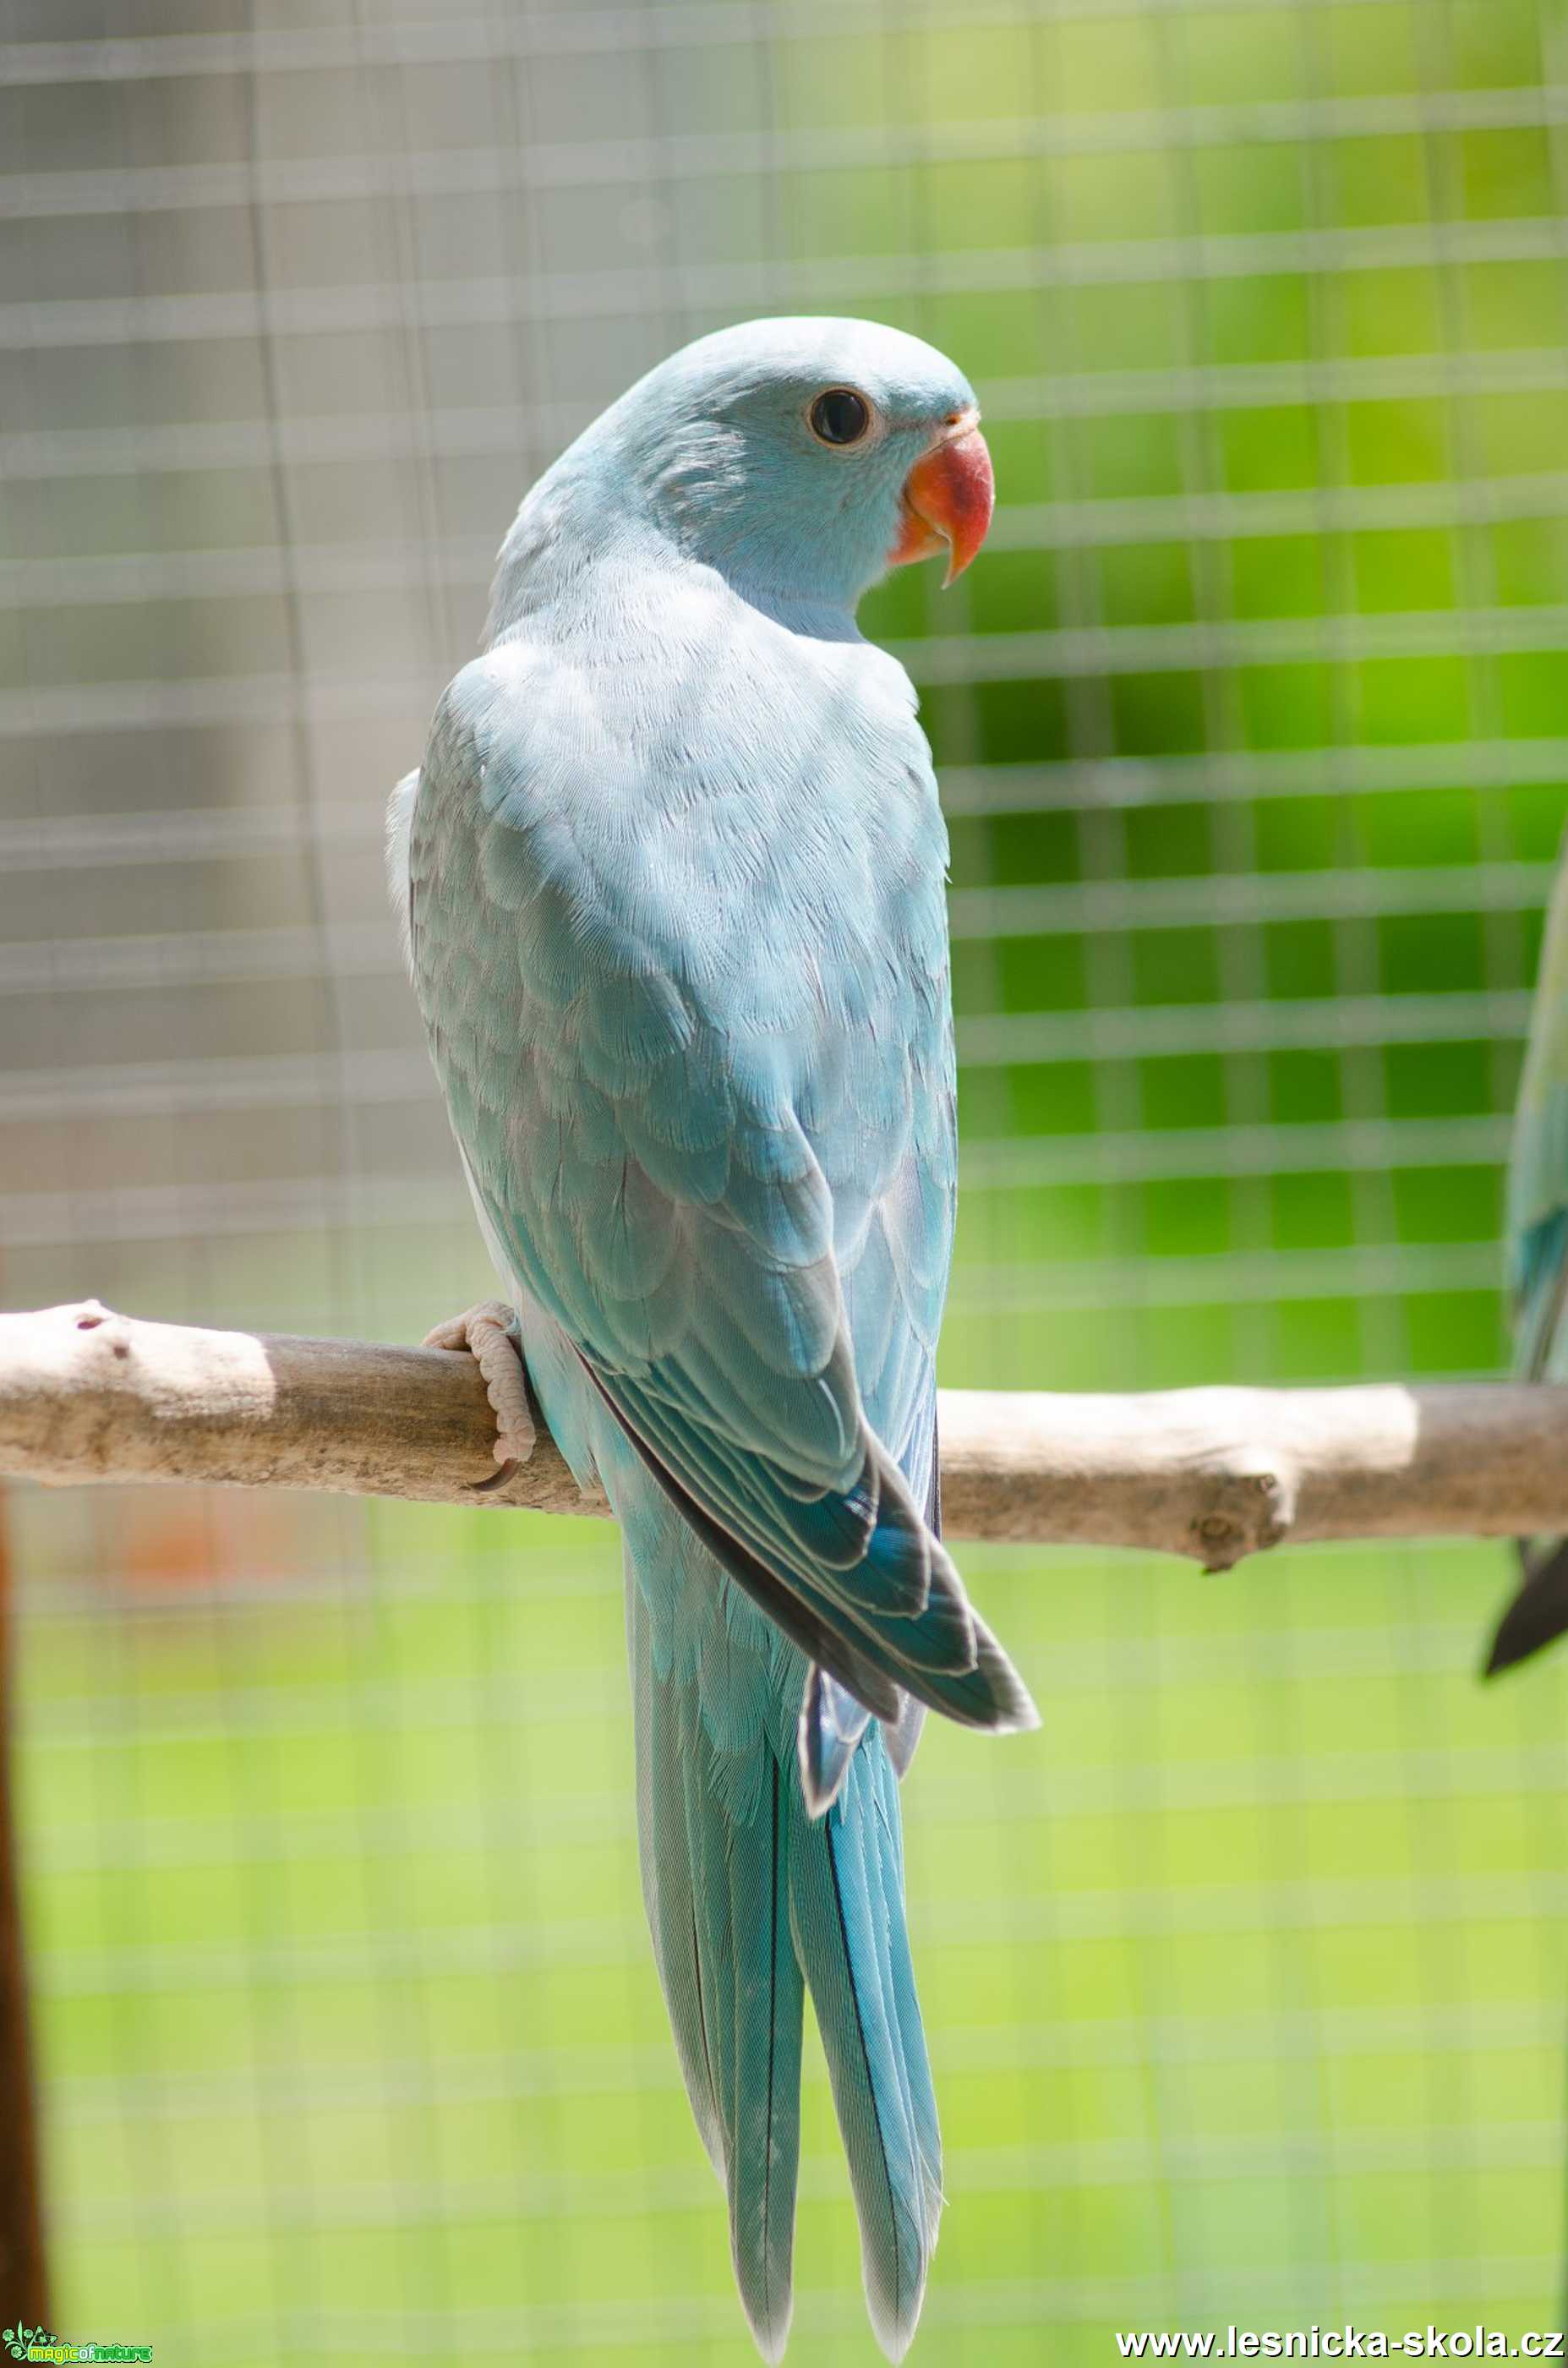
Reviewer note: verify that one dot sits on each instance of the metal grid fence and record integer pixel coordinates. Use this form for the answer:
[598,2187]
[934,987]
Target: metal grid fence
[1246,1978]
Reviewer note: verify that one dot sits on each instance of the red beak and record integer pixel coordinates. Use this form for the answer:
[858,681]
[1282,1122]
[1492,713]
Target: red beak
[948,500]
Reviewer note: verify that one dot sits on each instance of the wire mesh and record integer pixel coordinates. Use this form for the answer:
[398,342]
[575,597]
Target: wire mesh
[1245,1979]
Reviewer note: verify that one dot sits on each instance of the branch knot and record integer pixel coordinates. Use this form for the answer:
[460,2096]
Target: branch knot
[1248,1504]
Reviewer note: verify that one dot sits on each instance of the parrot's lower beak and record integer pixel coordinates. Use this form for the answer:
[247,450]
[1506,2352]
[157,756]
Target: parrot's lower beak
[948,499]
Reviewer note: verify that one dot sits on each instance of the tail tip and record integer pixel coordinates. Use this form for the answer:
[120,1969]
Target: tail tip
[770,2335]
[893,2304]
[895,2330]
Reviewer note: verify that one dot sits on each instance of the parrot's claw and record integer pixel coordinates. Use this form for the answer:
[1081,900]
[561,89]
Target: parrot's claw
[489,1332]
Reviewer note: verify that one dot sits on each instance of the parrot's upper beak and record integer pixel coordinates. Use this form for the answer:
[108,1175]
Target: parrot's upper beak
[948,498]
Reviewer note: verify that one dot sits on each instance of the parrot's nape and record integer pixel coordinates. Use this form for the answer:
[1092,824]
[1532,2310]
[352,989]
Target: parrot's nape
[671,878]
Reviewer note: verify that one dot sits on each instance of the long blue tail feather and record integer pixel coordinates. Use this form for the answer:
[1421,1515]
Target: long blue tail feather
[846,1905]
[750,1899]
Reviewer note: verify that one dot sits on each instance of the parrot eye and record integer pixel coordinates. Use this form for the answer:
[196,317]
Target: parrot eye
[840,416]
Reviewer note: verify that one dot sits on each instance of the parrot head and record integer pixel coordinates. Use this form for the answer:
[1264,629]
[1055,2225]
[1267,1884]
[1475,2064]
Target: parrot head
[804,458]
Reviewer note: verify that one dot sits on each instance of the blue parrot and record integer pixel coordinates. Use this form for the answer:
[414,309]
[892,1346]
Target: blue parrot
[672,880]
[1537,1266]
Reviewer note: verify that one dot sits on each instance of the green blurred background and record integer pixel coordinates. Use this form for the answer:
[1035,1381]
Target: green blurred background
[1245,1977]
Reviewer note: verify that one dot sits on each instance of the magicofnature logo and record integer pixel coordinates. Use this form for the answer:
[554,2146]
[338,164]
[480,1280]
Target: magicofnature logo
[38,2343]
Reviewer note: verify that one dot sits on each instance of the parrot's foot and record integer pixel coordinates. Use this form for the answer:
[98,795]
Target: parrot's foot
[489,1332]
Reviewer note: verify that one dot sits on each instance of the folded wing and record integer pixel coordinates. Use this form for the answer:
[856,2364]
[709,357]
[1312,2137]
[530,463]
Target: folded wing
[705,1102]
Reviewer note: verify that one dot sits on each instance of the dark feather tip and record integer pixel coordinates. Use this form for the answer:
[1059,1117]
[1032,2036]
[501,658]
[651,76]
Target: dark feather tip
[1539,1613]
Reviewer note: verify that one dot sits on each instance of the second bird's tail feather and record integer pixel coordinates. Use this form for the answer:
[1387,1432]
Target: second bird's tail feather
[750,1901]
[1538,1611]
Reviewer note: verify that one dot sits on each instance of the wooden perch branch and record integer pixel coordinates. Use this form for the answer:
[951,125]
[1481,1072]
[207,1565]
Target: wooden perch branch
[1215,1473]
